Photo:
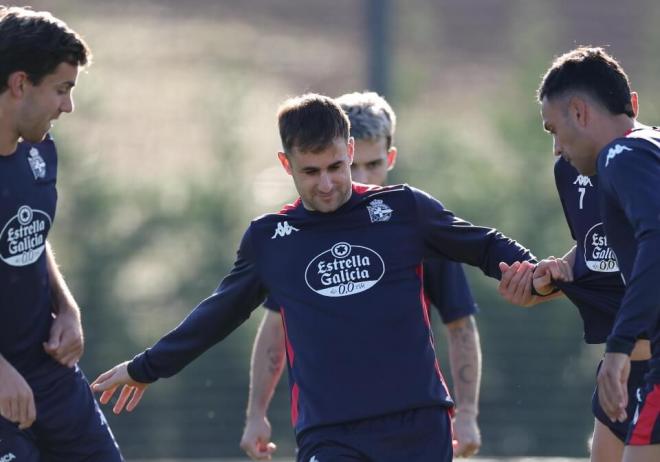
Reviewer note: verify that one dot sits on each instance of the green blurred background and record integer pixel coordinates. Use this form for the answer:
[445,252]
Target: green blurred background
[172,148]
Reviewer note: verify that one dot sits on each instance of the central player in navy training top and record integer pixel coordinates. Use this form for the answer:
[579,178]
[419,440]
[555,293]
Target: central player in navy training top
[47,410]
[373,123]
[596,290]
[586,105]
[363,377]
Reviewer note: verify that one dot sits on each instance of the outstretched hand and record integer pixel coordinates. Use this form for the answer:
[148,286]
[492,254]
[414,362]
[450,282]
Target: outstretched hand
[109,381]
[516,283]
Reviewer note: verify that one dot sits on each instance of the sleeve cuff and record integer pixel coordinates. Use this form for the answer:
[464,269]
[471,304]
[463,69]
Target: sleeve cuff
[554,290]
[139,370]
[272,307]
[619,345]
[468,311]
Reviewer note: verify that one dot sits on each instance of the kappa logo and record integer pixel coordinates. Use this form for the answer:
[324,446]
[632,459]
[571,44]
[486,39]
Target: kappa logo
[37,164]
[314,459]
[7,457]
[379,211]
[615,151]
[583,180]
[283,229]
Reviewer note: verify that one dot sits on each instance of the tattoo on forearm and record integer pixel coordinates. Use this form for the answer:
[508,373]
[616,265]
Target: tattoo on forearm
[465,345]
[274,360]
[467,373]
[464,337]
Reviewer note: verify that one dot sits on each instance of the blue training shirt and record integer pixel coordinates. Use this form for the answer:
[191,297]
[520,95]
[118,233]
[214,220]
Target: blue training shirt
[28,199]
[597,288]
[445,285]
[448,290]
[356,322]
[629,170]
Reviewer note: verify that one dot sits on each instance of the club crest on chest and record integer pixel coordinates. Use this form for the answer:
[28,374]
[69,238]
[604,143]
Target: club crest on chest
[379,211]
[37,164]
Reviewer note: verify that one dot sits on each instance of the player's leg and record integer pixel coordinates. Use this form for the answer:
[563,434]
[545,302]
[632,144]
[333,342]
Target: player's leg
[72,427]
[609,437]
[15,444]
[649,453]
[605,446]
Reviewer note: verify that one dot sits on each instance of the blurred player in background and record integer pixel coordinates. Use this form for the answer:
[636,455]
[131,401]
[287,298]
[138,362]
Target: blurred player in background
[373,123]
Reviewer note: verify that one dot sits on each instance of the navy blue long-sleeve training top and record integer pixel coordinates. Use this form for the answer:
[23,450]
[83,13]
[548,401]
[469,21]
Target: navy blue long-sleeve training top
[597,288]
[629,171]
[28,200]
[446,286]
[350,286]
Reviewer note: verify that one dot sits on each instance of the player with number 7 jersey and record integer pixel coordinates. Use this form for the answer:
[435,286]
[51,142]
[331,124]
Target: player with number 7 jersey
[597,288]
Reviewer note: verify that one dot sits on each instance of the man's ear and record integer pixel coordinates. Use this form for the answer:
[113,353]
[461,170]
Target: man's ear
[579,111]
[284,160]
[16,83]
[350,151]
[634,101]
[391,158]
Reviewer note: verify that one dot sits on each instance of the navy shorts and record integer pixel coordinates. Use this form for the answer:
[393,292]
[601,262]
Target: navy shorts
[418,435]
[636,380]
[70,426]
[645,427]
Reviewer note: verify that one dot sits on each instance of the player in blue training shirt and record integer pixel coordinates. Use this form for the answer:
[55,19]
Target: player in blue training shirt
[47,410]
[596,290]
[363,376]
[587,106]
[372,126]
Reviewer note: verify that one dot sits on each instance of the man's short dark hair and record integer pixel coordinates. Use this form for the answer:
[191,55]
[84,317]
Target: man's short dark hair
[592,71]
[36,43]
[311,122]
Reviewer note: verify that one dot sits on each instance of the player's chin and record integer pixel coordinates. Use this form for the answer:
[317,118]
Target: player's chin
[585,168]
[35,137]
[328,205]
[323,208]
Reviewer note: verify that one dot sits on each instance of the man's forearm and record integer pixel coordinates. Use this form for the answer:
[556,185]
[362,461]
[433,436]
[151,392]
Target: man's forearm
[465,363]
[570,256]
[268,356]
[60,293]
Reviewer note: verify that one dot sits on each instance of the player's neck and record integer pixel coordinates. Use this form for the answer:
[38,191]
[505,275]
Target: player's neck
[8,133]
[8,140]
[614,127]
